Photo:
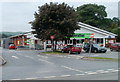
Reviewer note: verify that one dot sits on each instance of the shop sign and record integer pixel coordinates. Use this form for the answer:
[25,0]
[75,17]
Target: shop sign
[83,35]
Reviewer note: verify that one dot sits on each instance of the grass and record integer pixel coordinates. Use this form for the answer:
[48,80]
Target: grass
[54,52]
[102,58]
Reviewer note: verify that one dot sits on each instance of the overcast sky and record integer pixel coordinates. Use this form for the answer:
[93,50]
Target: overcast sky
[15,15]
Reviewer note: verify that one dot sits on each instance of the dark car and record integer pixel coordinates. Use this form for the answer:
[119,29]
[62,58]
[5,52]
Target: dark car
[71,49]
[12,46]
[94,48]
[115,46]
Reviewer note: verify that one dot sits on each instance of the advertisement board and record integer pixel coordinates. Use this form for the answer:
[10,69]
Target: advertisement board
[82,35]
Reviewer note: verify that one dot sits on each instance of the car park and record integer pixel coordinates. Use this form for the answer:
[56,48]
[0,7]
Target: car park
[115,46]
[94,48]
[12,46]
[71,49]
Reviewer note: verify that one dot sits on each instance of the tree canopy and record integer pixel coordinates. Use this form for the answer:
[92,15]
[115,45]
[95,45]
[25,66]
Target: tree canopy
[92,14]
[54,19]
[96,15]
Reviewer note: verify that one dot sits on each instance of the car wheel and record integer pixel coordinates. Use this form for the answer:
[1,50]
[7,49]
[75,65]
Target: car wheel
[111,49]
[62,51]
[86,50]
[95,51]
[70,52]
[104,51]
[78,52]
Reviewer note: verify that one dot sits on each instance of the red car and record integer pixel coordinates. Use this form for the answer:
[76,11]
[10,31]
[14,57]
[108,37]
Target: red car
[115,46]
[12,46]
[71,49]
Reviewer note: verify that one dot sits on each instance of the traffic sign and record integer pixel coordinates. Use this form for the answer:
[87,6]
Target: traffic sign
[52,36]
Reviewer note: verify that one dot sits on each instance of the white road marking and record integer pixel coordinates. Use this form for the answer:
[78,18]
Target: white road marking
[106,71]
[42,56]
[46,61]
[71,68]
[92,73]
[50,77]
[65,75]
[15,57]
[79,74]
[115,70]
[31,78]
[110,69]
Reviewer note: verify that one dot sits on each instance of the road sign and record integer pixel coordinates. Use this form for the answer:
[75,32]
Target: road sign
[92,35]
[52,36]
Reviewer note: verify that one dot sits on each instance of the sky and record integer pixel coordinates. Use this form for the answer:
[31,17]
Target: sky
[15,15]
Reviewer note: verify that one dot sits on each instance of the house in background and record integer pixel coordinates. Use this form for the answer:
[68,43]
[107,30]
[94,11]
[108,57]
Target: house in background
[27,40]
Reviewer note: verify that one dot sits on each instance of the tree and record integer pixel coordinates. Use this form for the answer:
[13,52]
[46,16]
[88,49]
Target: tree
[54,19]
[91,14]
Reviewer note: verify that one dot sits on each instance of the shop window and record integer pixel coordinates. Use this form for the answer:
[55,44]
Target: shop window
[65,41]
[70,41]
[78,41]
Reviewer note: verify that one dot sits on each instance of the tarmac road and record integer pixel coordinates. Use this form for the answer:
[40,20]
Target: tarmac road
[30,65]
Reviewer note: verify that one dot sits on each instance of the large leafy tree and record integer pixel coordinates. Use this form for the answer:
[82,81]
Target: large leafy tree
[92,14]
[54,19]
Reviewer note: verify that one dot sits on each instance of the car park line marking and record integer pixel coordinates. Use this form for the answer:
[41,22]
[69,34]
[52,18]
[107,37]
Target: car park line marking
[79,74]
[71,69]
[46,61]
[65,75]
[115,70]
[100,70]
[91,73]
[29,78]
[110,69]
[42,56]
[15,57]
[50,77]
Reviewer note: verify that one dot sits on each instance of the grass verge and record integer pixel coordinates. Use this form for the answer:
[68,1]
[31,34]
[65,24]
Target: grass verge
[102,58]
[54,52]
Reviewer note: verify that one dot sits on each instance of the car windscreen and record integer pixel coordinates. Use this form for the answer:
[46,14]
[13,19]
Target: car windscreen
[118,44]
[96,45]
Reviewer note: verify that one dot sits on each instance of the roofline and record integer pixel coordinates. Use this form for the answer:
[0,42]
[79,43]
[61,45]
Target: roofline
[19,35]
[98,29]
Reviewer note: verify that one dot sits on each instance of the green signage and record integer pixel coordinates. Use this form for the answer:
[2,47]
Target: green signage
[81,35]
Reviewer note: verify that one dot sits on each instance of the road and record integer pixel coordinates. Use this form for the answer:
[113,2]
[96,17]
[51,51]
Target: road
[32,65]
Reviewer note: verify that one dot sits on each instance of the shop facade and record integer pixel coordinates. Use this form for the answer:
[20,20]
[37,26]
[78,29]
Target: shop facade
[89,33]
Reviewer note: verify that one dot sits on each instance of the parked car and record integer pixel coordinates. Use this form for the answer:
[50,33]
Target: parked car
[94,48]
[22,47]
[115,46]
[71,49]
[12,46]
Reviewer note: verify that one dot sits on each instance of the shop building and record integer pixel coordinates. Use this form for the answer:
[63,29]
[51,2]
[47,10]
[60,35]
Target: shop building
[88,32]
[99,36]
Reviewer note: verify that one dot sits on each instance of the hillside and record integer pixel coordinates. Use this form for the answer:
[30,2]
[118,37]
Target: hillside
[7,34]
